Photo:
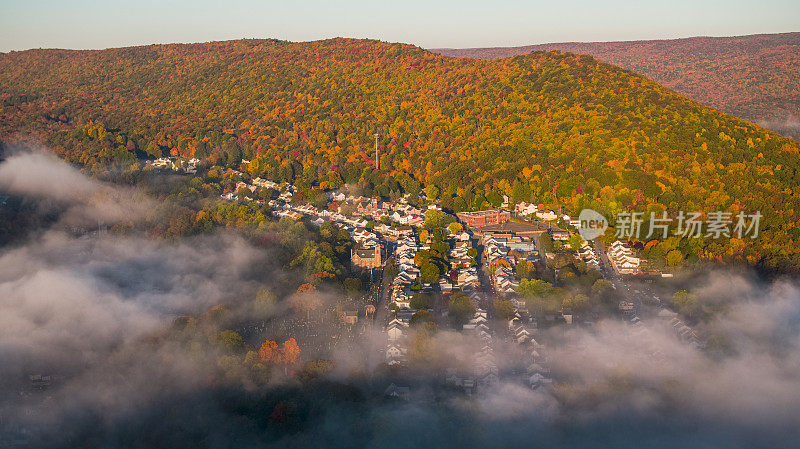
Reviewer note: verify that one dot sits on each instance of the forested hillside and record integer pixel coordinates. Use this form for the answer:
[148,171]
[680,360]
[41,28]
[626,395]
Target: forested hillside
[559,128]
[752,77]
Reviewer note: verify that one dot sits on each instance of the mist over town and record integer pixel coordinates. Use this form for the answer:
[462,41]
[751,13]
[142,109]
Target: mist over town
[349,242]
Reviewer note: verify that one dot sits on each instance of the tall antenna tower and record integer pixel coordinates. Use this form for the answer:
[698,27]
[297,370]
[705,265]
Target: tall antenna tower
[377,162]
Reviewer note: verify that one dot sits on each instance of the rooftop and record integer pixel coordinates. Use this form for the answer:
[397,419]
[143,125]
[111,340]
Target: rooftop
[481,213]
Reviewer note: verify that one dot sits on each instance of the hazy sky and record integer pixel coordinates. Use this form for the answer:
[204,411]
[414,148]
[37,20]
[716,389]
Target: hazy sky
[445,23]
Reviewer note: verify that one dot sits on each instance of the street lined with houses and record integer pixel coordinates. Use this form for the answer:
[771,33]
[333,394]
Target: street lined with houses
[482,255]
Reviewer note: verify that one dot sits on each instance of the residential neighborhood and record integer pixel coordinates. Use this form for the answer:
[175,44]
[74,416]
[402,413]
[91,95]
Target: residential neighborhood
[482,251]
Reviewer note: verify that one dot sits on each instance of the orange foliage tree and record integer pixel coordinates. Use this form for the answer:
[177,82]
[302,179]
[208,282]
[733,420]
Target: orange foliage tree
[268,352]
[288,354]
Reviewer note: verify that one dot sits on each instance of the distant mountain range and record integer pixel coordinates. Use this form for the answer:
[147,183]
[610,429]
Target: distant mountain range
[755,77]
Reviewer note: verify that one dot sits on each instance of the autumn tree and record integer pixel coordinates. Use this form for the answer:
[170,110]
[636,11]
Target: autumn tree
[268,353]
[472,132]
[287,354]
[290,353]
[306,299]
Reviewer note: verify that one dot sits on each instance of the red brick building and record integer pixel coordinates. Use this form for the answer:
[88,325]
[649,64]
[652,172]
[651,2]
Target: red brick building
[484,217]
[367,207]
[366,258]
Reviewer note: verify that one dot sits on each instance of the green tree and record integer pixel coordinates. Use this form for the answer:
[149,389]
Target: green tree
[420,317]
[230,340]
[674,258]
[575,241]
[540,296]
[432,192]
[549,304]
[602,290]
[434,218]
[529,288]
[443,249]
[461,309]
[524,269]
[579,303]
[420,301]
[352,286]
[264,304]
[316,369]
[688,304]
[503,308]
[242,192]
[520,191]
[266,194]
[429,272]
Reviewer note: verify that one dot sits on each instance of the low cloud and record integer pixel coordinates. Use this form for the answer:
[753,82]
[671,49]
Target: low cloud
[67,297]
[42,177]
[99,310]
[789,123]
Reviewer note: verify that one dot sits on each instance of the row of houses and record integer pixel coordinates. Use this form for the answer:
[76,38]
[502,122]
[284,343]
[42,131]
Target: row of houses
[512,241]
[520,330]
[188,166]
[400,212]
[397,212]
[368,252]
[650,343]
[267,184]
[502,264]
[587,255]
[463,265]
[400,294]
[462,254]
[467,279]
[483,372]
[396,341]
[685,333]
[408,273]
[523,209]
[623,258]
[285,195]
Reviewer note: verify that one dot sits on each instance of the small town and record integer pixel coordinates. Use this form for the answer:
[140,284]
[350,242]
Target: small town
[383,225]
[488,254]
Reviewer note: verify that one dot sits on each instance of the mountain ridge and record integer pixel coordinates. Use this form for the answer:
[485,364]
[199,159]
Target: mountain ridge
[753,77]
[560,128]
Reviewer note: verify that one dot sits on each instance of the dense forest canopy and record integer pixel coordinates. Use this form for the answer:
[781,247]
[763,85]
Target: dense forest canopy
[559,128]
[751,77]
